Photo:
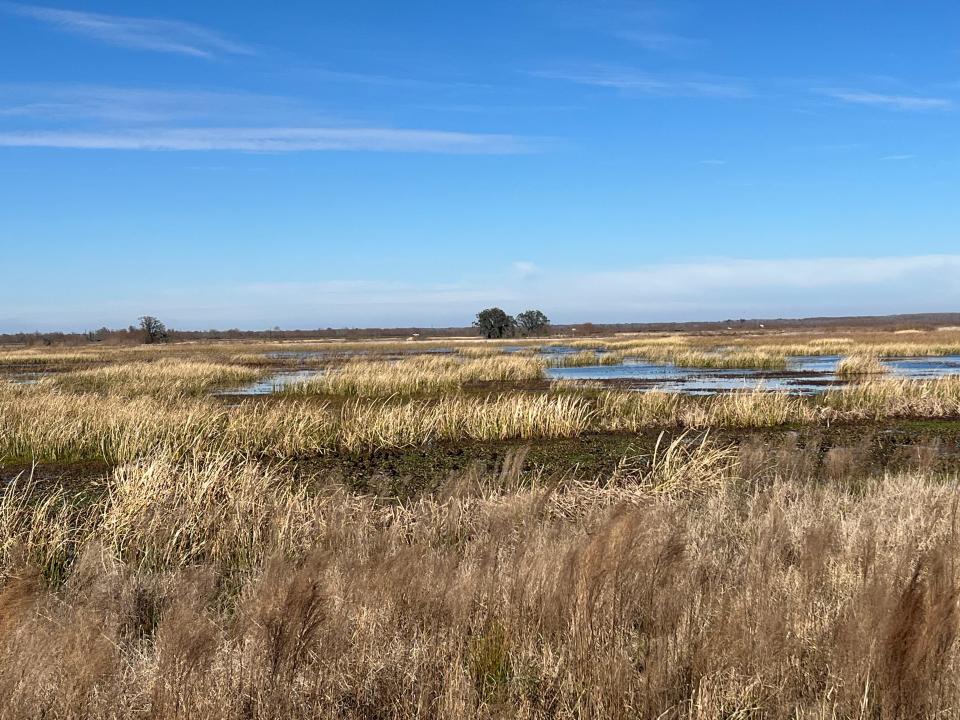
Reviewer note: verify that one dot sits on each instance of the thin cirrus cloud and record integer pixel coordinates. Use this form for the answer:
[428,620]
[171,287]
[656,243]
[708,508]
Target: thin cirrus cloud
[85,103]
[104,117]
[634,82]
[273,140]
[665,43]
[893,102]
[167,36]
[642,24]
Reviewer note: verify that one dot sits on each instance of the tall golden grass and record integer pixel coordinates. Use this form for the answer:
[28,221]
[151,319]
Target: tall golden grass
[683,586]
[418,374]
[166,377]
[38,422]
[587,358]
[761,360]
[860,364]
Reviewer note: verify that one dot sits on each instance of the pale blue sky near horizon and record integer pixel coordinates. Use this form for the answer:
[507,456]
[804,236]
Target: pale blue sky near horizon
[379,164]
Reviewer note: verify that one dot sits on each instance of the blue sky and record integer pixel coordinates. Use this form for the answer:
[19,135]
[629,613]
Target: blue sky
[230,164]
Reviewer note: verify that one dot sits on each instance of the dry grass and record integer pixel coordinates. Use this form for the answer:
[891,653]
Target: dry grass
[682,587]
[860,365]
[729,360]
[371,426]
[37,422]
[587,358]
[889,398]
[38,358]
[165,377]
[203,577]
[419,374]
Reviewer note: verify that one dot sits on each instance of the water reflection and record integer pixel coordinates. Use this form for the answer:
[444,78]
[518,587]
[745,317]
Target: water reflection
[274,383]
[803,376]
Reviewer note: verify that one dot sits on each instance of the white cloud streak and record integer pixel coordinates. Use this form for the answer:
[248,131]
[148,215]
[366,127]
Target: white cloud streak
[168,36]
[49,102]
[273,140]
[894,102]
[633,82]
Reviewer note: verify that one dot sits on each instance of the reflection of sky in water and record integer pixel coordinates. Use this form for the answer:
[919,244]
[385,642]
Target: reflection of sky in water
[275,382]
[27,378]
[804,375]
[817,373]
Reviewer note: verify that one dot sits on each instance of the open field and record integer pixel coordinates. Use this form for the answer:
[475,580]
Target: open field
[440,528]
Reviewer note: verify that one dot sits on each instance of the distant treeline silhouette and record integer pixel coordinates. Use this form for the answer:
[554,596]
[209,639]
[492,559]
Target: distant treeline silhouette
[134,334]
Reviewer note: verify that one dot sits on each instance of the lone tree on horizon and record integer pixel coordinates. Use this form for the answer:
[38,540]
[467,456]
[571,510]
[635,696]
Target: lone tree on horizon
[153,330]
[494,323]
[533,322]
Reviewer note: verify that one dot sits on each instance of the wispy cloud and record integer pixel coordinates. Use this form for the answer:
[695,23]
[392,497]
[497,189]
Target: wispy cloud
[524,269]
[646,24]
[894,102]
[50,102]
[169,36]
[102,117]
[634,82]
[361,78]
[898,157]
[274,140]
[658,41]
[712,162]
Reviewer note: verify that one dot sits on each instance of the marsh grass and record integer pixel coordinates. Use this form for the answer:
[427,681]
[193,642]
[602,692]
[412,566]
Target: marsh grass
[37,358]
[758,360]
[164,377]
[369,426]
[859,365]
[38,422]
[890,397]
[587,358]
[419,374]
[682,586]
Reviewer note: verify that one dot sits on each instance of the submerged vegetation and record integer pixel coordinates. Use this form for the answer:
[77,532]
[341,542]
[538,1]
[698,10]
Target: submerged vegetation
[168,551]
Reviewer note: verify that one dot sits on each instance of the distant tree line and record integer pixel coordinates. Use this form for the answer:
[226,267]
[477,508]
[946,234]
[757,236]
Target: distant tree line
[133,334]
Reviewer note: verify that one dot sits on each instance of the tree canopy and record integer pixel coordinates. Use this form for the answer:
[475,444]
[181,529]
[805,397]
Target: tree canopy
[494,323]
[153,330]
[533,322]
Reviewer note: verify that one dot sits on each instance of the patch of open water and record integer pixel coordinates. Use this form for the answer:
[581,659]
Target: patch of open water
[27,378]
[273,383]
[803,376]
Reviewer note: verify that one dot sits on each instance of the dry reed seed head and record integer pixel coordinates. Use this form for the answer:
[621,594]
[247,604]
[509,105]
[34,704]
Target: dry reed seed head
[684,465]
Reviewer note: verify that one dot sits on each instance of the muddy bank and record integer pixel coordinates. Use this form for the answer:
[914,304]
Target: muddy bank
[839,451]
[834,452]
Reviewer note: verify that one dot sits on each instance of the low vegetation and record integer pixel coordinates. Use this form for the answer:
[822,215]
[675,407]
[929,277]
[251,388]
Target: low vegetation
[169,552]
[168,378]
[699,582]
[38,422]
[418,374]
[859,365]
[728,360]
